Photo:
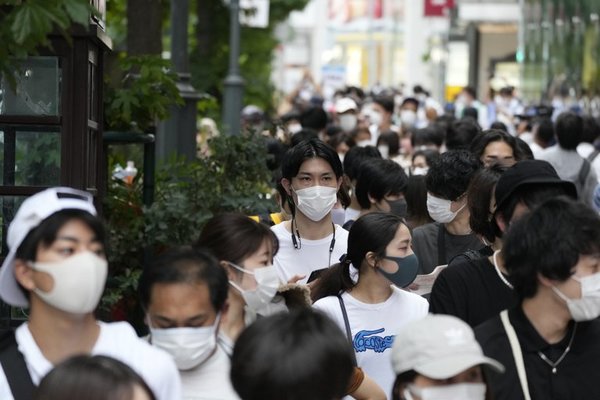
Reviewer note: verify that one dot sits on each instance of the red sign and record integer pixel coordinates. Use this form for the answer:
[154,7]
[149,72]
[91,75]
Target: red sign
[436,8]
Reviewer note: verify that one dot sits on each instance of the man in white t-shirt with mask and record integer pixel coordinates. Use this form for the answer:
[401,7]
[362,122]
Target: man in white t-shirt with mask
[57,268]
[311,177]
[183,294]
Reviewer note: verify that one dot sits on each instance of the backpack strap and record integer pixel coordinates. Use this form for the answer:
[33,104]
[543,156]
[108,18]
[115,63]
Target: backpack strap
[347,325]
[15,368]
[593,156]
[583,173]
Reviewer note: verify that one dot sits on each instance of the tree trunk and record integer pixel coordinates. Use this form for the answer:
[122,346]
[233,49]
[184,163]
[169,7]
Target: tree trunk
[144,27]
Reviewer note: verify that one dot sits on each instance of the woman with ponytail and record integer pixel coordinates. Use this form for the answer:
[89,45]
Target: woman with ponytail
[363,293]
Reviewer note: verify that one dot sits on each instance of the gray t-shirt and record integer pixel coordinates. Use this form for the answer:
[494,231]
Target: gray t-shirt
[425,245]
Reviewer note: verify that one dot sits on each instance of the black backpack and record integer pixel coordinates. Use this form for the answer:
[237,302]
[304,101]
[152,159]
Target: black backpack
[15,369]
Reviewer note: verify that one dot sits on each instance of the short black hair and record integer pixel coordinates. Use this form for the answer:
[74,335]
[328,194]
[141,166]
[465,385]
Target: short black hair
[501,126]
[292,356]
[91,377]
[549,241]
[386,102]
[426,136]
[591,129]
[355,156]
[470,112]
[410,100]
[524,150]
[479,196]
[461,133]
[449,176]
[314,118]
[377,178]
[391,140]
[470,90]
[545,130]
[185,265]
[568,130]
[307,150]
[481,141]
[303,135]
[430,155]
[45,233]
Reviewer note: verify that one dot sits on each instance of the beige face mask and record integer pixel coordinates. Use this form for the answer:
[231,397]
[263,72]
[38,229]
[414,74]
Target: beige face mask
[78,282]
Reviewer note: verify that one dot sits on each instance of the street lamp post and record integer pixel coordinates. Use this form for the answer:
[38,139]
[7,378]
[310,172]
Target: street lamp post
[234,83]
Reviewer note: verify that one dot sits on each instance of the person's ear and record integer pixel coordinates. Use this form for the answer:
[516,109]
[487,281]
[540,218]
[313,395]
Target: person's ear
[501,223]
[371,199]
[287,186]
[546,282]
[229,270]
[24,274]
[371,259]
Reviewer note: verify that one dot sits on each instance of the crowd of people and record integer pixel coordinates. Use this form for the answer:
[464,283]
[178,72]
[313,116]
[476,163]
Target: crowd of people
[415,256]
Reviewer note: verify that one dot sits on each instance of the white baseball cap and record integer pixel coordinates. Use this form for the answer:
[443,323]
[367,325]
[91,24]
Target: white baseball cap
[345,104]
[30,215]
[438,347]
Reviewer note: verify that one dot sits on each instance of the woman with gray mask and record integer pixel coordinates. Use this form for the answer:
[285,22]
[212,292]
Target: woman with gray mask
[363,294]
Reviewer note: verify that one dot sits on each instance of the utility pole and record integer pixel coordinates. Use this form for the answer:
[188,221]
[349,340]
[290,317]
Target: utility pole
[178,133]
[234,83]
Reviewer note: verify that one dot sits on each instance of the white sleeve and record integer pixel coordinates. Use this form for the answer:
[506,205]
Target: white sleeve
[5,393]
[166,382]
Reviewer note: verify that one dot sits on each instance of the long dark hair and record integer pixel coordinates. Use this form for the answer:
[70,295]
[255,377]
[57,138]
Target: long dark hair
[370,233]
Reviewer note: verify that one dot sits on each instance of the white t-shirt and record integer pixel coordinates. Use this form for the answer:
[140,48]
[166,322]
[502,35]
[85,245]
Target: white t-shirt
[117,340]
[373,328]
[312,254]
[209,381]
[351,214]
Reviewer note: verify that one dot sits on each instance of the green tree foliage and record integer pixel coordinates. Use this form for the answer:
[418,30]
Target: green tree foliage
[209,60]
[143,96]
[233,178]
[25,26]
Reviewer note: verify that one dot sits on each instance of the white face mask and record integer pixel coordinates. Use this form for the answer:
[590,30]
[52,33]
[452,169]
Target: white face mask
[384,150]
[420,170]
[458,391]
[316,201]
[364,143]
[78,282]
[267,283]
[294,128]
[588,306]
[189,347]
[348,122]
[439,209]
[408,117]
[376,118]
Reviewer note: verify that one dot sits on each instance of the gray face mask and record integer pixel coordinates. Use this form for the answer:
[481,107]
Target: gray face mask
[407,270]
[398,207]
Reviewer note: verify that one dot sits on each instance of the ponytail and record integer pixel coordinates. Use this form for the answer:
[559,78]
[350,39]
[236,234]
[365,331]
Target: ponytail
[334,280]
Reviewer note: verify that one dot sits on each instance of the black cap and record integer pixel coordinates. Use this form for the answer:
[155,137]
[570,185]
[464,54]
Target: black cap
[529,172]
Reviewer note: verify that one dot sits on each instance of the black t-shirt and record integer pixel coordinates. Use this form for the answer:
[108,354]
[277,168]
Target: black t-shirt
[577,376]
[425,241]
[472,291]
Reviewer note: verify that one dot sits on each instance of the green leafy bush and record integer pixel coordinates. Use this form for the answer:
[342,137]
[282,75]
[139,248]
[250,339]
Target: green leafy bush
[233,178]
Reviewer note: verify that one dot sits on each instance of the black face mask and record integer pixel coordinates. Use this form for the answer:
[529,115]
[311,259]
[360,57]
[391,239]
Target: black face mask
[407,270]
[398,207]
